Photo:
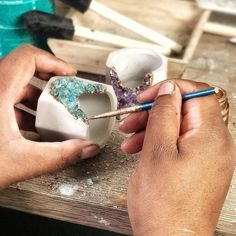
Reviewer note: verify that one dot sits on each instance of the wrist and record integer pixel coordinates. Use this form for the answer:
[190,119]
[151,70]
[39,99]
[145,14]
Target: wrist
[167,231]
[159,228]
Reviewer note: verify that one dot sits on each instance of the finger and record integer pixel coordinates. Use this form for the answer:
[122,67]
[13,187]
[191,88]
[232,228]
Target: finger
[25,120]
[39,158]
[201,113]
[29,96]
[58,155]
[185,86]
[44,62]
[24,62]
[195,111]
[134,143]
[43,76]
[163,126]
[134,122]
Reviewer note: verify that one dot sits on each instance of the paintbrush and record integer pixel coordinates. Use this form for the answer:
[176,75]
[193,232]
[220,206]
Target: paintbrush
[148,106]
[50,25]
[126,22]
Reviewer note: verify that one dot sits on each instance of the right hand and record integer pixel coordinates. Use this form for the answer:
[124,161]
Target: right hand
[186,164]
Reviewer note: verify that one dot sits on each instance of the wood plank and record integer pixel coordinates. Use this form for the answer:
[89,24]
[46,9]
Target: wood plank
[60,208]
[196,35]
[92,58]
[83,57]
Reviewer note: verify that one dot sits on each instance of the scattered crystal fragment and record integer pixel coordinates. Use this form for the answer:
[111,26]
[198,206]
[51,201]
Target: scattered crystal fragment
[89,182]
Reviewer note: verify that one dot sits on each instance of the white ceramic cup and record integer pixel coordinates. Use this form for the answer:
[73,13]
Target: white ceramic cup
[132,64]
[55,123]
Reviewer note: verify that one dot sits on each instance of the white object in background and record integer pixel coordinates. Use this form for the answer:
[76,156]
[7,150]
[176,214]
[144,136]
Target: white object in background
[224,6]
[55,123]
[116,40]
[233,40]
[132,64]
[220,29]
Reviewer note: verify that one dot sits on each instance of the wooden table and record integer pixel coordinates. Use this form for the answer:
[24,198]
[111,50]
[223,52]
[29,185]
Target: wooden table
[93,192]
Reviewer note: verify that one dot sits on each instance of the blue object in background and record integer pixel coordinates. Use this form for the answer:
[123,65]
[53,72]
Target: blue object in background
[12,30]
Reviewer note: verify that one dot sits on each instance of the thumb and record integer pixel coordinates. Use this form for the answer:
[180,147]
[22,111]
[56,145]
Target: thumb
[60,154]
[27,159]
[164,119]
[40,158]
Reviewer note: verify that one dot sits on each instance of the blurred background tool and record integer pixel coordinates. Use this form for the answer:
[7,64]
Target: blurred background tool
[126,22]
[50,25]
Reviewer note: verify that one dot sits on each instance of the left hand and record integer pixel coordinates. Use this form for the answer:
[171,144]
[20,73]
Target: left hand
[20,158]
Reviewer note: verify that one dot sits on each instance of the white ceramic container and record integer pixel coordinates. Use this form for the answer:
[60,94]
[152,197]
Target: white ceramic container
[54,120]
[132,70]
[132,64]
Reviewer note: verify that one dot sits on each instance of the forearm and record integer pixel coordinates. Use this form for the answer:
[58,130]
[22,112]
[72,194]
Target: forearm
[175,222]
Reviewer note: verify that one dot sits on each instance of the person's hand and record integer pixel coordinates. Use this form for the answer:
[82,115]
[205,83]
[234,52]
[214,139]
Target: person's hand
[21,158]
[186,163]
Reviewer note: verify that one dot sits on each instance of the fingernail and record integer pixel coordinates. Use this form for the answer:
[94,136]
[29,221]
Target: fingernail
[166,88]
[90,151]
[140,95]
[72,72]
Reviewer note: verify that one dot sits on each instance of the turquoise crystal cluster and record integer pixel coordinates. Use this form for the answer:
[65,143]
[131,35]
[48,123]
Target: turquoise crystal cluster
[68,90]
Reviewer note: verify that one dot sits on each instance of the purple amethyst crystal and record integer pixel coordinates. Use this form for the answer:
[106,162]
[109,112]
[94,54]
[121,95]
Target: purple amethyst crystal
[127,97]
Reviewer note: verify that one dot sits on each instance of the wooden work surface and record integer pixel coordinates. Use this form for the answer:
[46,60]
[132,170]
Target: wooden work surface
[103,204]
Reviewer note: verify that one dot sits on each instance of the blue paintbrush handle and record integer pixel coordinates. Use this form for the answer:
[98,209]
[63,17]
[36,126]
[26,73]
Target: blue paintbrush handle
[187,96]
[148,105]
